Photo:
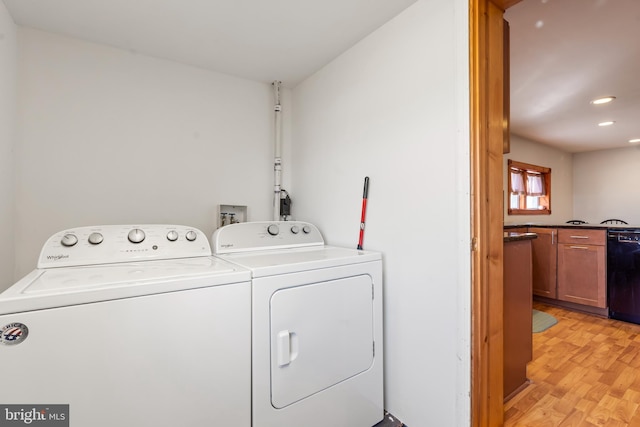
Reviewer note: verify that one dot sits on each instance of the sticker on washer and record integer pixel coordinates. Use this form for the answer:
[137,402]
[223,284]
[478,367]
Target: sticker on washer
[13,333]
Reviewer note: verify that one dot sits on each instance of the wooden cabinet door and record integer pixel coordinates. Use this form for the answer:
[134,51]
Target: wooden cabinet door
[518,339]
[581,274]
[544,261]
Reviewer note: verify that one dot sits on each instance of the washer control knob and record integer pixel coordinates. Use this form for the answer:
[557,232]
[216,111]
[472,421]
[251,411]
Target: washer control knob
[273,230]
[295,229]
[306,229]
[191,235]
[172,236]
[69,240]
[136,235]
[95,238]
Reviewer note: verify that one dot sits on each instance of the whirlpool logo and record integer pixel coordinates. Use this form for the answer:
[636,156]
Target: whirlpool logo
[57,257]
[37,415]
[13,333]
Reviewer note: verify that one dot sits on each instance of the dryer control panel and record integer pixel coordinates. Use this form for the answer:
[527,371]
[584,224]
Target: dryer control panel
[109,244]
[265,235]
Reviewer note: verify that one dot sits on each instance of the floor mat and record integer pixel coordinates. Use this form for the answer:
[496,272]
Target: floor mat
[542,321]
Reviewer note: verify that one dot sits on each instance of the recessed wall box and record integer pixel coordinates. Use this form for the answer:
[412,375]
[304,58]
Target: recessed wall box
[230,214]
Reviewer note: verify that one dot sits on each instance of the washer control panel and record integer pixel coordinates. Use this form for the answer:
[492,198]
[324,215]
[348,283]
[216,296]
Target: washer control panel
[109,244]
[254,236]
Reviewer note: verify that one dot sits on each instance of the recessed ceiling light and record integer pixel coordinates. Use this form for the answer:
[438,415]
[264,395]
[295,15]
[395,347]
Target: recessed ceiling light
[603,100]
[634,140]
[605,123]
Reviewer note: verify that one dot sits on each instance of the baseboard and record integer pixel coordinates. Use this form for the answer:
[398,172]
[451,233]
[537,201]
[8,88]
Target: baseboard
[596,311]
[517,390]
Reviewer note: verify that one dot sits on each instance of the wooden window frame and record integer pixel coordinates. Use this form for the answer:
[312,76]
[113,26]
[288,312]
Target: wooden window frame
[547,185]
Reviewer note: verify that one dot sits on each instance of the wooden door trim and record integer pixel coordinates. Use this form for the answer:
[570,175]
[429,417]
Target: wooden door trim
[486,58]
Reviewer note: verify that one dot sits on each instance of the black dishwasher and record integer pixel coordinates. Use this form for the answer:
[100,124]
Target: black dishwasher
[623,274]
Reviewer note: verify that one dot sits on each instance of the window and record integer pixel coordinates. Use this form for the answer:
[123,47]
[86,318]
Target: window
[529,189]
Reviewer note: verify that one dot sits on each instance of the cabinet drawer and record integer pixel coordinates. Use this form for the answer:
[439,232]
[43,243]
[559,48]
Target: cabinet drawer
[582,237]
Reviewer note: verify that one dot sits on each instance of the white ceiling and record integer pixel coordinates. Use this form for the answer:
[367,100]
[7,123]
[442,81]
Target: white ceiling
[262,40]
[565,53]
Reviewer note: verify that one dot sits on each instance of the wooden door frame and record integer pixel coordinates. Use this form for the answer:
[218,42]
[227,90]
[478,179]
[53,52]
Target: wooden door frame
[486,68]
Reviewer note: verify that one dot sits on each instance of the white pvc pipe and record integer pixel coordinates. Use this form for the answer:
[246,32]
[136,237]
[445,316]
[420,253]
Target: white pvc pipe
[277,161]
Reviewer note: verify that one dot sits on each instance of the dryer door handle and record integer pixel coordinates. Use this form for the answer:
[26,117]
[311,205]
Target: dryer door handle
[284,348]
[287,347]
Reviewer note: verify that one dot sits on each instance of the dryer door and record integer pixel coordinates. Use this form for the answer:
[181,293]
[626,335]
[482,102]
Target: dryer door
[321,334]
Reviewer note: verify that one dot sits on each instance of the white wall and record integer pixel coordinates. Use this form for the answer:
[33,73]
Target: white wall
[8,65]
[395,108]
[605,185]
[107,136]
[561,164]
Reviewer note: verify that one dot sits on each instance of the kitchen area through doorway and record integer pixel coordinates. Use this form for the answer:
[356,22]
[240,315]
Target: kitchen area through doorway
[577,127]
[583,368]
[584,372]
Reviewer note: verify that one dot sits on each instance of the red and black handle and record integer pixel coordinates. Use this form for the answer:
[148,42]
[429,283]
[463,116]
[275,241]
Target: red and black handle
[364,211]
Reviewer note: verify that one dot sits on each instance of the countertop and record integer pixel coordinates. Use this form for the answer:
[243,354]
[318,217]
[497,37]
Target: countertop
[584,226]
[515,237]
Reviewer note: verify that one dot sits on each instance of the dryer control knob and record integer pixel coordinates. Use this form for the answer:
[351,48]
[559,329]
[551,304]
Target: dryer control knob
[306,229]
[95,238]
[191,235]
[172,236]
[295,229]
[136,235]
[273,230]
[69,240]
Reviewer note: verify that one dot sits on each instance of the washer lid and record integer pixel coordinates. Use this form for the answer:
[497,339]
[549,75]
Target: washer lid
[56,287]
[283,261]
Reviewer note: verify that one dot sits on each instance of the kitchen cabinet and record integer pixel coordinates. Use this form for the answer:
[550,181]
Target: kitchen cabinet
[517,308]
[506,91]
[582,267]
[544,262]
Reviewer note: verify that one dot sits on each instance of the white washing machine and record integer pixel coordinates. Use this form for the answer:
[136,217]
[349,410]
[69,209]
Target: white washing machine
[135,326]
[317,354]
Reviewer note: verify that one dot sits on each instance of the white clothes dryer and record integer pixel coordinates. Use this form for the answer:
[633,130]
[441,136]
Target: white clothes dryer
[317,353]
[135,326]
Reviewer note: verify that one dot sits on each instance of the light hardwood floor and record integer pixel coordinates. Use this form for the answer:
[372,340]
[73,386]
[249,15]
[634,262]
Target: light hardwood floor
[585,372]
